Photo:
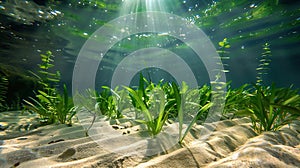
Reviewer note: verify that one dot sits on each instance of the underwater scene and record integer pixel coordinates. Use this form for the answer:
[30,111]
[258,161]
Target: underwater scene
[149,83]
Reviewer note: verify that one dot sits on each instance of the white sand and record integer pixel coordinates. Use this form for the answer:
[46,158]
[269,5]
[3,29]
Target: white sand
[232,144]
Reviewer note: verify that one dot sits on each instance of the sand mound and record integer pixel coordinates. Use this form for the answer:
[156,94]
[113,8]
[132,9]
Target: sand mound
[232,144]
[238,146]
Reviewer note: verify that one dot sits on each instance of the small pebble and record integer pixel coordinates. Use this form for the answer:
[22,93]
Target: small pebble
[3,126]
[59,140]
[22,138]
[115,126]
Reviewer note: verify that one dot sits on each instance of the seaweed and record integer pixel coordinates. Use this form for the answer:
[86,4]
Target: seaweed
[269,107]
[49,103]
[3,92]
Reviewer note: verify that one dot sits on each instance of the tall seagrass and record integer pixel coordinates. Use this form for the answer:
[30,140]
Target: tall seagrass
[49,103]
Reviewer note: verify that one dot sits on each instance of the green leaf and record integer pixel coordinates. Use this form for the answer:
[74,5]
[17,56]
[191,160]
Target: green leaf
[53,80]
[221,44]
[140,102]
[201,111]
[162,116]
[179,106]
[247,112]
[295,98]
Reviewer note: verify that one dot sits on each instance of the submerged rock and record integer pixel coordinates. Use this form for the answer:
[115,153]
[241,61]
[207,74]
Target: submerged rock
[68,153]
[3,126]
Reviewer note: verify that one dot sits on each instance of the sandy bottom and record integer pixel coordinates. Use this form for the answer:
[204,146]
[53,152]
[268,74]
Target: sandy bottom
[24,143]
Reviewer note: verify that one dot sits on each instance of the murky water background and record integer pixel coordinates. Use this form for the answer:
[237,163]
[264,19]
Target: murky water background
[28,29]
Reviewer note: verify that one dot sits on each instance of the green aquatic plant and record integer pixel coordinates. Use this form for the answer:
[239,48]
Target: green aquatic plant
[144,86]
[64,107]
[270,108]
[155,104]
[236,99]
[151,101]
[218,87]
[264,64]
[107,102]
[46,78]
[46,96]
[160,102]
[52,108]
[196,101]
[153,122]
[179,103]
[49,103]
[205,93]
[200,113]
[173,95]
[223,53]
[3,92]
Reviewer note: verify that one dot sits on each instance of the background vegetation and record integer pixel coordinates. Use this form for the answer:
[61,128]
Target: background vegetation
[63,26]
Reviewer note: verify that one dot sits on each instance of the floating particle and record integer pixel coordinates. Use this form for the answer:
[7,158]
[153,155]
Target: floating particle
[253,6]
[40,12]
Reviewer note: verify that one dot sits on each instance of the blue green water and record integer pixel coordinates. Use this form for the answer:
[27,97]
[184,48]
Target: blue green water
[29,28]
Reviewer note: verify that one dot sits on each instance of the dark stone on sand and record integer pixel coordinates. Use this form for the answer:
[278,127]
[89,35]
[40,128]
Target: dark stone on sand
[67,154]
